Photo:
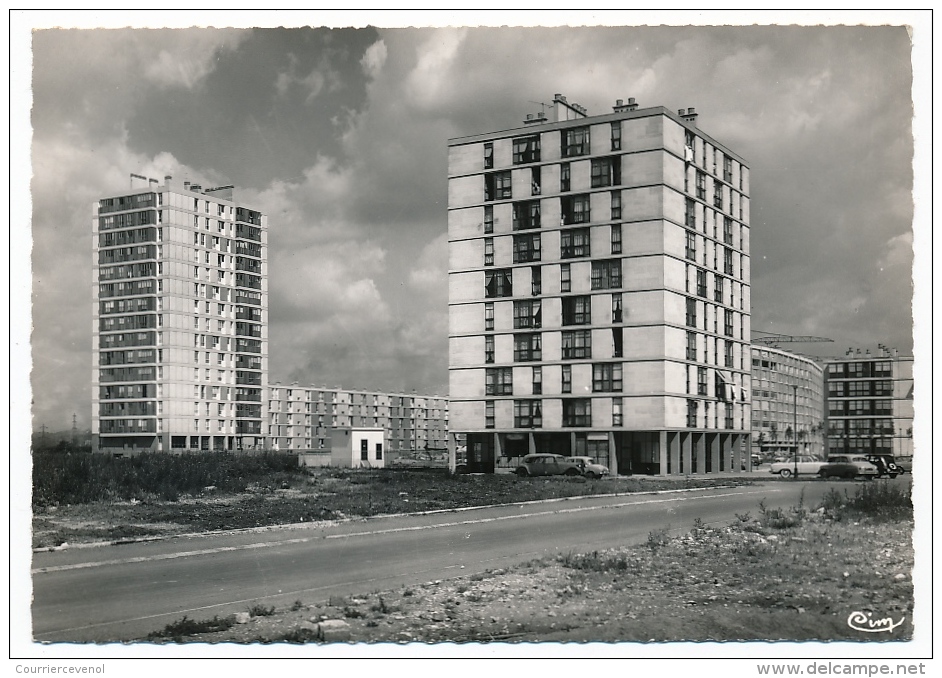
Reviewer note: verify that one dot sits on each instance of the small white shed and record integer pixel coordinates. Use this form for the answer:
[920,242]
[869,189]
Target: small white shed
[358,447]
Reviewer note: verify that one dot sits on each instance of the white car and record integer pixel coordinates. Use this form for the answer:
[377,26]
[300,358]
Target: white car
[807,465]
[590,469]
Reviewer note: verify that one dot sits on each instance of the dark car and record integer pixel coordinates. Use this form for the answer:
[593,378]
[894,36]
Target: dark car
[886,464]
[846,466]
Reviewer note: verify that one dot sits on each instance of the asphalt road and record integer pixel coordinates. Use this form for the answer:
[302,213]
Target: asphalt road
[121,593]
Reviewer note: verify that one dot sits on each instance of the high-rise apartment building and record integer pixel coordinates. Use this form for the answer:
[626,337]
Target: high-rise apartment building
[870,403]
[599,292]
[180,320]
[787,403]
[303,417]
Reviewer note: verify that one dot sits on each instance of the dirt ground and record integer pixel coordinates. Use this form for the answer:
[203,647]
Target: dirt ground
[743,582]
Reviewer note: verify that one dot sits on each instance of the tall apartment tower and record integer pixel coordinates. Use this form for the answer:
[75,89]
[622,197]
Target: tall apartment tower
[599,293]
[180,320]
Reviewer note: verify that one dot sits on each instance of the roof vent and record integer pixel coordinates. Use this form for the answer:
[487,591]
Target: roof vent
[690,115]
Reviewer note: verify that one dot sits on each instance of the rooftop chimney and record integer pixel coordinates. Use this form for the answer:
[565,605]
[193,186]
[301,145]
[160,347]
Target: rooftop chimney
[167,179]
[689,116]
[186,185]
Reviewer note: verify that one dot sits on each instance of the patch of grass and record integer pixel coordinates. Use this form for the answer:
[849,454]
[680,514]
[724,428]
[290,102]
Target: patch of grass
[596,561]
[878,500]
[782,519]
[297,605]
[658,538]
[261,611]
[381,606]
[298,636]
[190,627]
[352,613]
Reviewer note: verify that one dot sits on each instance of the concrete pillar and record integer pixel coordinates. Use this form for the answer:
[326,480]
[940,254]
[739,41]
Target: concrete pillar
[531,442]
[572,443]
[452,452]
[675,452]
[686,442]
[700,451]
[612,455]
[715,452]
[662,453]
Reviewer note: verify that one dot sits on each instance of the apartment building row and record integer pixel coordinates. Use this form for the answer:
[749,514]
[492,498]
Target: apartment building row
[303,418]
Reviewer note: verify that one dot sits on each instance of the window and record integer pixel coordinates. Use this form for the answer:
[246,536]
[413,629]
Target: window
[489,348]
[564,177]
[526,149]
[528,414]
[701,185]
[728,323]
[536,181]
[606,171]
[727,261]
[575,141]
[497,186]
[616,136]
[701,283]
[488,414]
[566,384]
[616,205]
[689,146]
[691,345]
[526,215]
[528,314]
[701,381]
[691,312]
[574,243]
[537,380]
[488,251]
[577,310]
[575,209]
[565,278]
[691,413]
[488,316]
[379,451]
[718,195]
[606,377]
[498,381]
[727,169]
[617,341]
[577,412]
[718,288]
[690,249]
[526,248]
[616,238]
[498,283]
[729,354]
[488,218]
[528,347]
[616,307]
[488,155]
[616,412]
[606,274]
[576,344]
[728,230]
[536,280]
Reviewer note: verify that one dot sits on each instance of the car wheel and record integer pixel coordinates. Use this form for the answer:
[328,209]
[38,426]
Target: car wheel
[522,472]
[572,472]
[892,475]
[822,474]
[591,474]
[786,473]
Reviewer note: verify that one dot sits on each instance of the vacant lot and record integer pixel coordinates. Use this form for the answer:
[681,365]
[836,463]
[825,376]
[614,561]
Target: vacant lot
[776,575]
[87,498]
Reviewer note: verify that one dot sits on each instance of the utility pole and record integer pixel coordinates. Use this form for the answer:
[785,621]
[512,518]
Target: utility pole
[74,431]
[795,424]
[43,437]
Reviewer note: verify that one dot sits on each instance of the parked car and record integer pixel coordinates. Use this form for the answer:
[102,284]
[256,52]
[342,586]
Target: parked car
[548,465]
[591,469]
[848,466]
[807,465]
[886,464]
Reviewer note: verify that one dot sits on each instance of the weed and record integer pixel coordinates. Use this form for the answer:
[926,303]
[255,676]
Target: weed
[658,538]
[595,561]
[381,607]
[297,605]
[337,601]
[743,517]
[190,627]
[261,611]
[876,500]
[698,523]
[299,636]
[780,519]
[408,593]
[352,613]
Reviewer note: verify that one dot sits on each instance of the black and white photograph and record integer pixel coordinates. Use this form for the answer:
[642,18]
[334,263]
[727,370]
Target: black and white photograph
[356,335]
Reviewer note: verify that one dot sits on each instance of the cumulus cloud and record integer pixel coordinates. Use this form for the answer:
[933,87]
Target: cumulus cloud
[373,59]
[310,85]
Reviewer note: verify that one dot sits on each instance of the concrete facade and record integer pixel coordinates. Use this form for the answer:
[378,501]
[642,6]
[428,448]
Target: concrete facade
[786,388]
[303,417]
[599,297]
[180,320]
[357,448]
[870,404]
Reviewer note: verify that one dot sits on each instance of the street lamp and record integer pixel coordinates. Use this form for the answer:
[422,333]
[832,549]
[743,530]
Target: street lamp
[795,424]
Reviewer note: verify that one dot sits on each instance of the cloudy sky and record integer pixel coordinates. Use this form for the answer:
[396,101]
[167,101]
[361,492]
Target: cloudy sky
[339,135]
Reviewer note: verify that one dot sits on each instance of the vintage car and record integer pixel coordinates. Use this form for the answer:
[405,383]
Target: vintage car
[886,464]
[549,465]
[591,469]
[807,465]
[848,466]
